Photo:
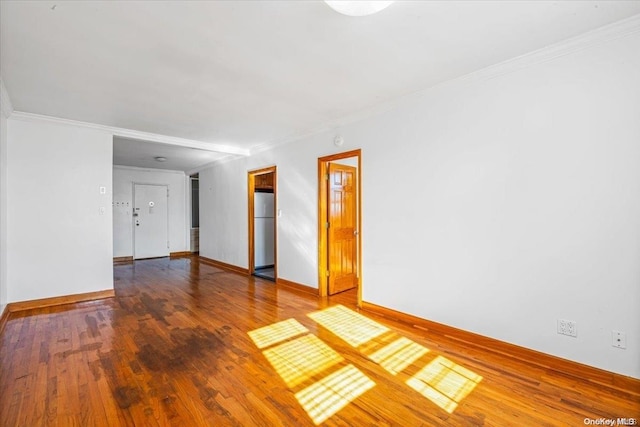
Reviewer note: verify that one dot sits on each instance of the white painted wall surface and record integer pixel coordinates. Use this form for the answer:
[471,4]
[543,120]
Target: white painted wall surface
[224,213]
[123,180]
[224,210]
[59,243]
[3,210]
[350,161]
[495,205]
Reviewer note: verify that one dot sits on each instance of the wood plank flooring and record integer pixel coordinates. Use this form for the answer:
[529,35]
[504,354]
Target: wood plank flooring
[187,344]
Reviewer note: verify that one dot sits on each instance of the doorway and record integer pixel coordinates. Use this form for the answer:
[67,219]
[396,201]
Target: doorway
[194,235]
[262,223]
[150,221]
[339,223]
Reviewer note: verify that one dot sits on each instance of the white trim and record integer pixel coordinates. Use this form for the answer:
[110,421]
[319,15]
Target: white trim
[5,101]
[135,168]
[619,29]
[616,30]
[208,165]
[326,126]
[134,134]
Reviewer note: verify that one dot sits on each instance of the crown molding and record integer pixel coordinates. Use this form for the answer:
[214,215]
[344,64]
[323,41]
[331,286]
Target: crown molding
[324,127]
[5,100]
[623,28]
[620,29]
[139,169]
[134,134]
[219,161]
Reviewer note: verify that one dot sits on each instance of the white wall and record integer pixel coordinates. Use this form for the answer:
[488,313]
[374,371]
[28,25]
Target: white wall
[224,211]
[4,113]
[123,180]
[495,205]
[59,243]
[349,161]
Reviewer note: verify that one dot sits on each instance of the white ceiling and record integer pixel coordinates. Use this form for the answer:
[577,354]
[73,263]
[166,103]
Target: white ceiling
[248,73]
[142,154]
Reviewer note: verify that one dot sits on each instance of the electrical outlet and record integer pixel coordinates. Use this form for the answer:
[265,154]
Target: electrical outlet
[572,329]
[619,339]
[567,327]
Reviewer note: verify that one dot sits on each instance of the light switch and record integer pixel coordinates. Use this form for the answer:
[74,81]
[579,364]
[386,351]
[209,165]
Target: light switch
[103,190]
[101,210]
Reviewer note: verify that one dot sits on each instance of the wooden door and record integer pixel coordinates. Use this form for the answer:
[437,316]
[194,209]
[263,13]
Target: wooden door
[342,228]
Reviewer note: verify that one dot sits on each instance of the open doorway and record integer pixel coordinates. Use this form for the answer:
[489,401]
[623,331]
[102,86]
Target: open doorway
[339,219]
[194,234]
[262,223]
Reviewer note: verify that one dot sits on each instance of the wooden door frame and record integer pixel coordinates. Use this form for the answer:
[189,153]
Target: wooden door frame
[323,255]
[251,182]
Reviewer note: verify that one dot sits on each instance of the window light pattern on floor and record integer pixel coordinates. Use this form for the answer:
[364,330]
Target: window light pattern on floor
[444,382]
[277,332]
[324,398]
[298,356]
[398,355]
[298,360]
[348,325]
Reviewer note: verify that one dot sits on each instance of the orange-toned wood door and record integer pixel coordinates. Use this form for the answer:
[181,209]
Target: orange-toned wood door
[342,228]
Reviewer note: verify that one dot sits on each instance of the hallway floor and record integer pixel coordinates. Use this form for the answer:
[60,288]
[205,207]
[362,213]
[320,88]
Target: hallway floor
[268,273]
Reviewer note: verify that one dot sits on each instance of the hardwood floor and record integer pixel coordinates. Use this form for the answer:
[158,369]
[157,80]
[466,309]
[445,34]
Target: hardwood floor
[187,344]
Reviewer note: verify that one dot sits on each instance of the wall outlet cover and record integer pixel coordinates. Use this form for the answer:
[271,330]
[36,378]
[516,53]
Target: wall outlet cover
[619,339]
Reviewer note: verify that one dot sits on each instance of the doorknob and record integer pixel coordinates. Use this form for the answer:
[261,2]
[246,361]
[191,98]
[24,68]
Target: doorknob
[137,222]
[355,232]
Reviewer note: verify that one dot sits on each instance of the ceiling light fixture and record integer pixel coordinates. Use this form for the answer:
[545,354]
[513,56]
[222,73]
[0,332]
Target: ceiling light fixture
[160,159]
[358,7]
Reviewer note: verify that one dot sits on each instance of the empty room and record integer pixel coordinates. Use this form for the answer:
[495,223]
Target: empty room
[340,213]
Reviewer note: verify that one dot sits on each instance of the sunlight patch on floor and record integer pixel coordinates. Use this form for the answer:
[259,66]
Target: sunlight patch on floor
[299,356]
[398,355]
[277,332]
[444,382]
[324,398]
[298,360]
[348,325]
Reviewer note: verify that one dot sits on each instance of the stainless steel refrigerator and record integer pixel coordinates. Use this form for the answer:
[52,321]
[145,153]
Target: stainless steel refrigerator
[263,229]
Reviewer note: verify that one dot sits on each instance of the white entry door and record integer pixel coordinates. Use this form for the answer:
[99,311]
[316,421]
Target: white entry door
[150,221]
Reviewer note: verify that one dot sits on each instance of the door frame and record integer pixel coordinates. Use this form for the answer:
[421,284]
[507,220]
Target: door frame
[133,218]
[323,197]
[251,185]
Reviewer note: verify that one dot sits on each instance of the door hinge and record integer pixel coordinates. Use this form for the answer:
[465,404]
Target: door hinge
[326,224]
[167,244]
[326,176]
[327,273]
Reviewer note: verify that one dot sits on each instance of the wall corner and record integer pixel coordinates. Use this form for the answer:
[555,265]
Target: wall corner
[5,101]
